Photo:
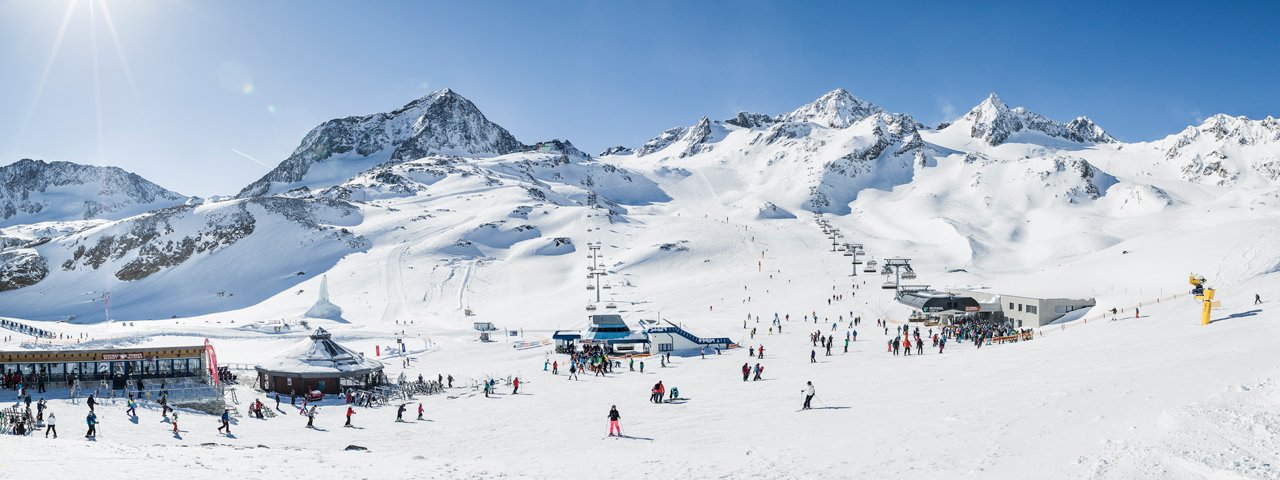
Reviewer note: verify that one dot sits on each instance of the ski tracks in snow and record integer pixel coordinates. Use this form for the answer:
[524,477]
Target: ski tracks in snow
[1232,435]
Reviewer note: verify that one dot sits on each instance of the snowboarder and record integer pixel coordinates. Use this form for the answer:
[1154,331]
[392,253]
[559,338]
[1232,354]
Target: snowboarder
[51,426]
[350,412]
[808,393]
[226,421]
[614,416]
[675,393]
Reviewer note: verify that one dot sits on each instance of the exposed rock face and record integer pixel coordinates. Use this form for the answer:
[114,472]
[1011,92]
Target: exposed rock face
[166,238]
[994,123]
[21,268]
[440,123]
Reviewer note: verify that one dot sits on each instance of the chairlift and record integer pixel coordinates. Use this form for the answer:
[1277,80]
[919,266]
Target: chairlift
[591,287]
[889,285]
[591,308]
[847,253]
[869,268]
[607,287]
[909,275]
[611,306]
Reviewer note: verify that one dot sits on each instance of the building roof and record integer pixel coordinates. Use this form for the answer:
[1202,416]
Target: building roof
[319,355]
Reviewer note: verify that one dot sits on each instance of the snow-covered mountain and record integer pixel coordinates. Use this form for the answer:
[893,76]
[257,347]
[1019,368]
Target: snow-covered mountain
[33,191]
[200,253]
[436,183]
[995,123]
[831,149]
[1226,150]
[442,122]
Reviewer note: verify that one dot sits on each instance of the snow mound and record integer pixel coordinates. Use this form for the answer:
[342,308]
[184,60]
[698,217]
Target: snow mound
[557,246]
[769,211]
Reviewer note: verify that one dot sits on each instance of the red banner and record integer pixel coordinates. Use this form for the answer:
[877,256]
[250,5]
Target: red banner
[213,360]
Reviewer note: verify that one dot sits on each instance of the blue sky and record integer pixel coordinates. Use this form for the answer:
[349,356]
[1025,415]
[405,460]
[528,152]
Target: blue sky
[205,97]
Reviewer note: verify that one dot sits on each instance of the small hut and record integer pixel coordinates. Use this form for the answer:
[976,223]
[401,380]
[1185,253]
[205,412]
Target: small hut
[318,363]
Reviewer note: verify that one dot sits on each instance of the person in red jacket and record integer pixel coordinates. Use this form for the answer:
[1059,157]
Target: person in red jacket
[515,384]
[906,345]
[350,412]
[746,370]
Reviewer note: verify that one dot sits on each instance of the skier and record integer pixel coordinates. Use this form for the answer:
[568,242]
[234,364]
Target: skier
[311,417]
[675,393]
[92,420]
[350,412]
[759,370]
[226,421]
[642,366]
[746,370]
[1257,299]
[450,381]
[555,368]
[515,384]
[420,410]
[174,421]
[573,371]
[614,416]
[813,356]
[51,426]
[400,412]
[808,392]
[760,352]
[133,407]
[91,402]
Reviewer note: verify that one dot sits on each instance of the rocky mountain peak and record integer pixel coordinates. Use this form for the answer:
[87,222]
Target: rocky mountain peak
[441,122]
[835,109]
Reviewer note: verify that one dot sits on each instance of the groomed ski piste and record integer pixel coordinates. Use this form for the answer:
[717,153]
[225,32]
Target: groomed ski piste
[1157,396]
[703,242]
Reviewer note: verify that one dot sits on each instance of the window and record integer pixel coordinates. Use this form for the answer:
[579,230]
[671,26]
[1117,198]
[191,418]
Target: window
[1019,307]
[1010,305]
[1031,309]
[665,347]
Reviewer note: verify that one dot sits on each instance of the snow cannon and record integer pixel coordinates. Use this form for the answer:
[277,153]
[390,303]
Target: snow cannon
[1197,284]
[1204,294]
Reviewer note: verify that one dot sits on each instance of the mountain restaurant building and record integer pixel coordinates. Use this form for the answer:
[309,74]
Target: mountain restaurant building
[319,363]
[118,365]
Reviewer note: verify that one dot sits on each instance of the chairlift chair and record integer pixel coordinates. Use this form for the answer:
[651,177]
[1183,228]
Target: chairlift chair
[591,308]
[591,287]
[611,306]
[889,285]
[869,268]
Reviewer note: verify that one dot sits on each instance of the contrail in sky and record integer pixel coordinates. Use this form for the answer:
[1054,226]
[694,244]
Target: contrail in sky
[245,155]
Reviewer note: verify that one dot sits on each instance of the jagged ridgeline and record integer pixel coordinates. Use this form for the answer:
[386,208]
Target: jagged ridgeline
[450,184]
